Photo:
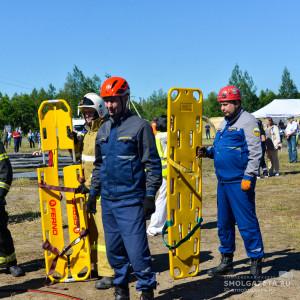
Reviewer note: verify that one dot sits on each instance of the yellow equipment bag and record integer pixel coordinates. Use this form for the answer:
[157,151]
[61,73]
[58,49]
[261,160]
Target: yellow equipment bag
[184,181]
[67,253]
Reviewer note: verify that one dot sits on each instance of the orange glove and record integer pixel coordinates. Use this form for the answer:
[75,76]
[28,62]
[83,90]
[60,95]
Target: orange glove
[246,185]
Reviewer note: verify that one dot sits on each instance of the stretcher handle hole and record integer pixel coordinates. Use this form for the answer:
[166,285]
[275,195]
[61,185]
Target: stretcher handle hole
[196,95]
[174,95]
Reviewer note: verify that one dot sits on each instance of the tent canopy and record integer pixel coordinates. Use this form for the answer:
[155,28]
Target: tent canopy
[279,108]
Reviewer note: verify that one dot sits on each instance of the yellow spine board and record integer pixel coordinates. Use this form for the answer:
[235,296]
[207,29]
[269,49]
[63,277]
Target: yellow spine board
[184,179]
[80,265]
[55,120]
[52,222]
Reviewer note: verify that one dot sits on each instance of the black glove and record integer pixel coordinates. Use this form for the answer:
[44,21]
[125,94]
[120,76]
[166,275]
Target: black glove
[91,204]
[149,206]
[2,201]
[82,189]
[201,152]
[72,135]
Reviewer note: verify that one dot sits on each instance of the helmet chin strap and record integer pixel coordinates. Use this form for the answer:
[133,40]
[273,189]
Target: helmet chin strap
[124,107]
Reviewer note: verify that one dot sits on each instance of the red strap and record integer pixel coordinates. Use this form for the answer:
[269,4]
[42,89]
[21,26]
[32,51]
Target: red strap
[56,188]
[50,158]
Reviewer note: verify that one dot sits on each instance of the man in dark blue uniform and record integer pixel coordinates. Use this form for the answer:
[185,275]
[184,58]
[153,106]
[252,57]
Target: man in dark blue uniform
[127,174]
[236,153]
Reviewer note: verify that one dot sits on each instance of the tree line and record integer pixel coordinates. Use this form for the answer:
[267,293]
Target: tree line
[21,109]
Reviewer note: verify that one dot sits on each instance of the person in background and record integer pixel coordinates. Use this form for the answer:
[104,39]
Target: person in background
[127,174]
[30,137]
[8,258]
[207,131]
[17,138]
[236,153]
[21,136]
[273,144]
[290,133]
[262,164]
[95,113]
[281,130]
[158,218]
[5,138]
[9,137]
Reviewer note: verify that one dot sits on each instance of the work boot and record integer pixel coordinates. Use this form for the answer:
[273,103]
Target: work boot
[256,268]
[224,268]
[147,295]
[104,283]
[16,271]
[265,173]
[121,293]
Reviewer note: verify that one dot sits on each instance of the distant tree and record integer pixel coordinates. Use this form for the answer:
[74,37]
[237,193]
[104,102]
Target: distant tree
[246,85]
[6,110]
[265,97]
[76,85]
[155,105]
[287,88]
[51,92]
[211,107]
[24,113]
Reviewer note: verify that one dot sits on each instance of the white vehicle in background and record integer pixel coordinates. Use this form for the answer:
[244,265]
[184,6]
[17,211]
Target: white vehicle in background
[78,125]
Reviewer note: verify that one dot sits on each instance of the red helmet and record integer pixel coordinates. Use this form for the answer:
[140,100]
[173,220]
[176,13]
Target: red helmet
[114,86]
[229,93]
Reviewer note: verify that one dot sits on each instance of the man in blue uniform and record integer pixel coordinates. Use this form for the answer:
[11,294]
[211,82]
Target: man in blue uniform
[236,153]
[127,174]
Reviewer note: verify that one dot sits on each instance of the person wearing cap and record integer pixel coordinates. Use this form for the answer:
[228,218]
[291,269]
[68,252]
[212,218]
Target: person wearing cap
[290,134]
[95,113]
[236,152]
[127,174]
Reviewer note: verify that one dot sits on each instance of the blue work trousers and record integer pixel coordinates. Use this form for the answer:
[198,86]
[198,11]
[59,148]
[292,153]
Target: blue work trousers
[126,242]
[238,207]
[292,149]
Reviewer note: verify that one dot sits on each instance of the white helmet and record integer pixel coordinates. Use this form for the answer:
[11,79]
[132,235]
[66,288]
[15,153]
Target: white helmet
[92,100]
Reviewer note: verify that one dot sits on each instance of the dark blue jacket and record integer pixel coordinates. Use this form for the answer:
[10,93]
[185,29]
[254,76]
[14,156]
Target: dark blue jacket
[127,164]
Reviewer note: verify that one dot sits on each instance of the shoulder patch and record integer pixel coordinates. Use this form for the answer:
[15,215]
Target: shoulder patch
[232,129]
[256,131]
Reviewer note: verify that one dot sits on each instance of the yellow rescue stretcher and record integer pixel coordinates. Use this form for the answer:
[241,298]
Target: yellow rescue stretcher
[67,253]
[184,181]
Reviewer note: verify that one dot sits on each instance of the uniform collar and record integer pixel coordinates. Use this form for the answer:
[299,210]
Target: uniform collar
[94,125]
[119,120]
[233,119]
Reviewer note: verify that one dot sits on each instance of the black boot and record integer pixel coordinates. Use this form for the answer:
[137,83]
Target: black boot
[121,293]
[256,268]
[147,295]
[16,271]
[224,268]
[104,283]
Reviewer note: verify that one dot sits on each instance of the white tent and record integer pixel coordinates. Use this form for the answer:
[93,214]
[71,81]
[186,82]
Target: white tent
[279,108]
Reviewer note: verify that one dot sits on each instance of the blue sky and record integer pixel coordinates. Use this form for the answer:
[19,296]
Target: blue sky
[152,43]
